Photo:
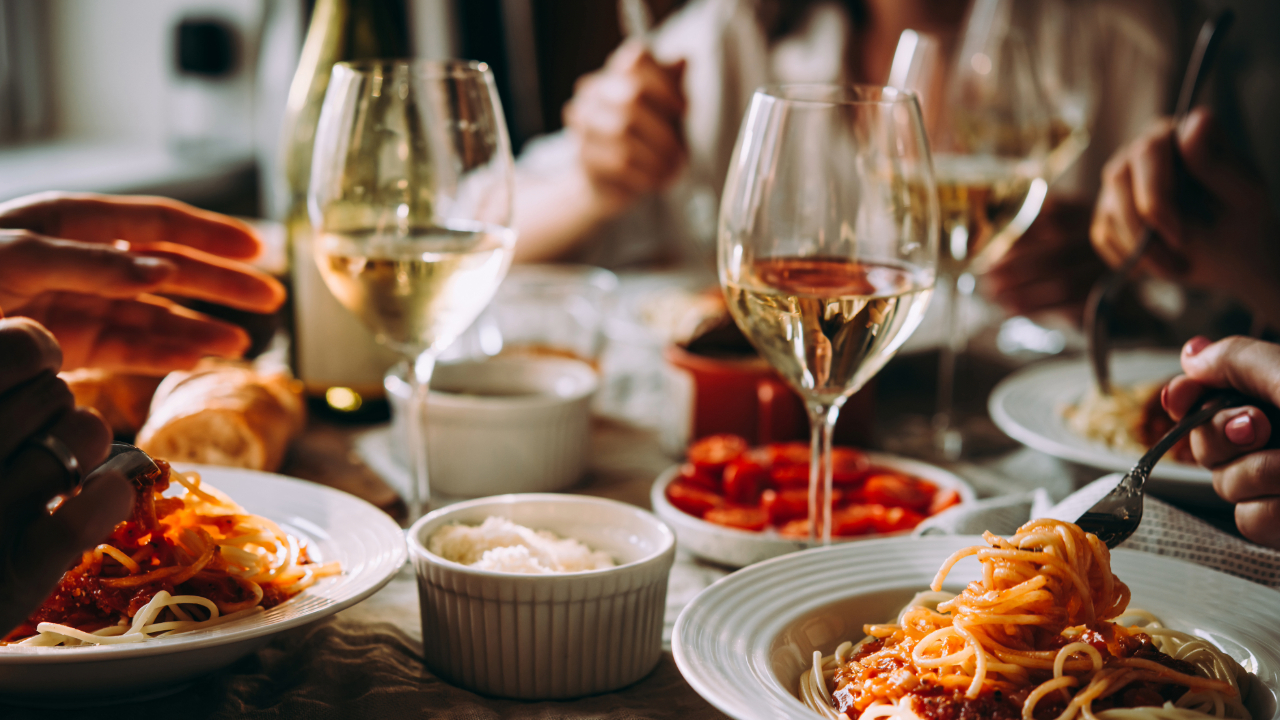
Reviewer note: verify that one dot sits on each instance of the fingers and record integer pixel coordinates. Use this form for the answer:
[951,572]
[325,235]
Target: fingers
[1139,192]
[659,85]
[1209,159]
[33,264]
[1259,521]
[628,118]
[30,407]
[42,550]
[146,335]
[1248,365]
[33,476]
[139,220]
[206,277]
[1179,395]
[1251,477]
[1229,435]
[1152,172]
[1116,226]
[26,350]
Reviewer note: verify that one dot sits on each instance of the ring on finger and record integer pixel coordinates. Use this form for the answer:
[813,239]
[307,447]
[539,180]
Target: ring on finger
[63,455]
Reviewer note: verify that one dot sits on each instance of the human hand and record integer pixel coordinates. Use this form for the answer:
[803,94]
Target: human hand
[1051,267]
[1215,228]
[88,267]
[1237,444]
[628,119]
[36,547]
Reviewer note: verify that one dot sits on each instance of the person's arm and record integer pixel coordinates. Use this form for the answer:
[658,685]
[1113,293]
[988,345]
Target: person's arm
[1214,230]
[624,123]
[1237,445]
[91,268]
[37,546]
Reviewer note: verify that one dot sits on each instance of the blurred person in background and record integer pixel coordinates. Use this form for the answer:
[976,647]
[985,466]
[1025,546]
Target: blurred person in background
[636,176]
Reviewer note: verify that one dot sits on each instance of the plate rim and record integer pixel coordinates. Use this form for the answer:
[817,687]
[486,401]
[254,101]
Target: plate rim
[699,672]
[1090,453]
[12,655]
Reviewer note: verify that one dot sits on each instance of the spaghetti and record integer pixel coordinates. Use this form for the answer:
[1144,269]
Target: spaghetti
[1034,639]
[191,561]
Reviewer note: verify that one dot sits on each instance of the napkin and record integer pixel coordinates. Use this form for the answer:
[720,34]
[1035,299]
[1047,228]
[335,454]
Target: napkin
[1165,530]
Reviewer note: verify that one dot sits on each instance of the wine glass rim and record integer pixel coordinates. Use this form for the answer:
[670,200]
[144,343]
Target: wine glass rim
[429,68]
[832,94]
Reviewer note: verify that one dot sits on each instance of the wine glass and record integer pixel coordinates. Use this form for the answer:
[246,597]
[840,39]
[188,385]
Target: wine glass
[827,247]
[410,198]
[990,126]
[1064,39]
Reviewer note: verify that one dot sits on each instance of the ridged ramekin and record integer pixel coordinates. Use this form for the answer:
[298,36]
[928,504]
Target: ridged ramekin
[539,637]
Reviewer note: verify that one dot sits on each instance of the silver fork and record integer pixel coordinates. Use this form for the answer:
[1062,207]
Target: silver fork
[1116,516]
[1103,294]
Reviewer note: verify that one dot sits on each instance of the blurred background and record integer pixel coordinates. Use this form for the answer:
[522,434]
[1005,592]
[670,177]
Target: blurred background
[185,98]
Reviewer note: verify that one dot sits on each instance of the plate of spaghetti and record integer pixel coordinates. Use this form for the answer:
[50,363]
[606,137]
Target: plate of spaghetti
[1054,408]
[210,564]
[1046,624]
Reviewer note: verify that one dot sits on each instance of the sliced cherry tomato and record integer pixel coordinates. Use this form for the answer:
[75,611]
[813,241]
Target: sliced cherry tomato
[790,475]
[743,518]
[693,499]
[744,479]
[791,465]
[785,505]
[796,529]
[897,519]
[848,466]
[702,478]
[713,452]
[857,519]
[943,499]
[895,490]
[788,453]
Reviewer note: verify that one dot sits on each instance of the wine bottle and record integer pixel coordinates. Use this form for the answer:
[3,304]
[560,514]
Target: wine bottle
[331,348]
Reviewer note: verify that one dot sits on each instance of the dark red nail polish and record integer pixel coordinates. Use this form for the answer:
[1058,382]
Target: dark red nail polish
[1195,345]
[1240,430]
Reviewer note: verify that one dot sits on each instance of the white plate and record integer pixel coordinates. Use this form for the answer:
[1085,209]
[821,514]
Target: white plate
[1028,407]
[739,548]
[337,526]
[743,643]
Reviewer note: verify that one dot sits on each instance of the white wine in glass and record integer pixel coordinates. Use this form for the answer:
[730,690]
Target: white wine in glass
[410,200]
[827,246]
[991,128]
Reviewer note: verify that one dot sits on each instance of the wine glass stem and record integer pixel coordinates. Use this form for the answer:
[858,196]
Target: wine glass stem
[822,421]
[944,420]
[419,378]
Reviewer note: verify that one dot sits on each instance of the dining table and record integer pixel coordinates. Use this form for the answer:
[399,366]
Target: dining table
[367,662]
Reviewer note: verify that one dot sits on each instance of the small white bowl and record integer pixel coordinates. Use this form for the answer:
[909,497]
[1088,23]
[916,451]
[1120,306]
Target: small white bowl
[540,637]
[510,424]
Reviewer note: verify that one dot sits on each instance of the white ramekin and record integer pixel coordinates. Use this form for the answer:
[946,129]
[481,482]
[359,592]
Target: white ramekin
[510,424]
[538,637]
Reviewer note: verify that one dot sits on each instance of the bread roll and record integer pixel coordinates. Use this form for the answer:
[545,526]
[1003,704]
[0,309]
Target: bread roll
[122,400]
[223,414]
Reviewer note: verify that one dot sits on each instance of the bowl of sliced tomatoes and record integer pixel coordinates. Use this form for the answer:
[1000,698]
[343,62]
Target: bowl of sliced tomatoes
[736,505]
